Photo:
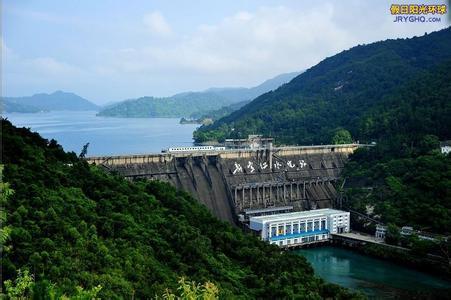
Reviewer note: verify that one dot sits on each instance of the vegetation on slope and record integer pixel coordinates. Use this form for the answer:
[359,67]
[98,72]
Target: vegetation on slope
[219,113]
[181,105]
[336,93]
[194,105]
[209,117]
[410,179]
[72,225]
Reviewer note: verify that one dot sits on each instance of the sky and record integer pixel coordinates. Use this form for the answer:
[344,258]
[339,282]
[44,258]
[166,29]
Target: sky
[110,50]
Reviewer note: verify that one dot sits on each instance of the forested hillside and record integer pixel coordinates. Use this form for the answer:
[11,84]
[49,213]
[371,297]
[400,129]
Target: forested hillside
[337,93]
[181,105]
[70,224]
[247,94]
[219,113]
[408,177]
[210,103]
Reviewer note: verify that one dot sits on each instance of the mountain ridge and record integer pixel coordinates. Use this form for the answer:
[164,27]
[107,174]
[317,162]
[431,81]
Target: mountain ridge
[55,101]
[335,93]
[191,104]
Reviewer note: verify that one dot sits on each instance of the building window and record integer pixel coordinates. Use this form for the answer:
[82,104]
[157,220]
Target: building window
[316,225]
[273,231]
[302,227]
[288,229]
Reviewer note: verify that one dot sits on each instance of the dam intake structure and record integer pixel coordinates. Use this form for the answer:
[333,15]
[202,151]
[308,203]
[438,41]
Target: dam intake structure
[237,183]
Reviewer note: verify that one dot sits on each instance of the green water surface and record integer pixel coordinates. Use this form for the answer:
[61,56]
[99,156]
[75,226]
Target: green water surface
[376,278]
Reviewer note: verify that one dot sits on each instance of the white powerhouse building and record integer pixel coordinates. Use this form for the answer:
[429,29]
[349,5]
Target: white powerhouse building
[296,228]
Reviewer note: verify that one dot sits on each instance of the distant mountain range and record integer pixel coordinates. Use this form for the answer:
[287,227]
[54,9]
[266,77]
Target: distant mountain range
[47,102]
[193,104]
[213,102]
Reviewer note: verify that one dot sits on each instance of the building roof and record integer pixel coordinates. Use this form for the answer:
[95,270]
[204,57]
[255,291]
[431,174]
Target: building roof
[268,209]
[296,215]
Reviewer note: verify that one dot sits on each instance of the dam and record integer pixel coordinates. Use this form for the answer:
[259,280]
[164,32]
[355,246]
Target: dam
[235,184]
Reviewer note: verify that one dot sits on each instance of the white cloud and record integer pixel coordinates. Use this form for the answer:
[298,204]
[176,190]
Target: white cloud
[39,73]
[270,40]
[246,45]
[51,66]
[157,24]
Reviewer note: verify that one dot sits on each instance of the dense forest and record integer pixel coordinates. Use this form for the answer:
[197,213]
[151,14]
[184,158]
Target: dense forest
[337,93]
[410,179]
[69,227]
[221,112]
[181,105]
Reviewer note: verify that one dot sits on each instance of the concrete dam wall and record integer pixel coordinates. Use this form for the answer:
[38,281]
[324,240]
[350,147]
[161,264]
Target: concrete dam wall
[230,182]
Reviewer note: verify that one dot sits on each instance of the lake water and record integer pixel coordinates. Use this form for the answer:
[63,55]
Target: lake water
[106,136]
[376,278]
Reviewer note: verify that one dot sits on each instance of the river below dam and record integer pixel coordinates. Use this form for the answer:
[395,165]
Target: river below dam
[377,279]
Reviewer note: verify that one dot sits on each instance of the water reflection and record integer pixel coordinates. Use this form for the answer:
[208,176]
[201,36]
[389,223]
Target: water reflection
[376,278]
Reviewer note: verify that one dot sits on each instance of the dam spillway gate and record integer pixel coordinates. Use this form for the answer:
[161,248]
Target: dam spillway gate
[231,182]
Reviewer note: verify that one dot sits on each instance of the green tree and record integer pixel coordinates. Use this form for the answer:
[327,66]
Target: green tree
[420,247]
[21,287]
[190,290]
[393,235]
[24,287]
[5,193]
[428,143]
[342,136]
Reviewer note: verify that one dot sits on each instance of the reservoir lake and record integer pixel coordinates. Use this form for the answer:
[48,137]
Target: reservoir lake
[106,136]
